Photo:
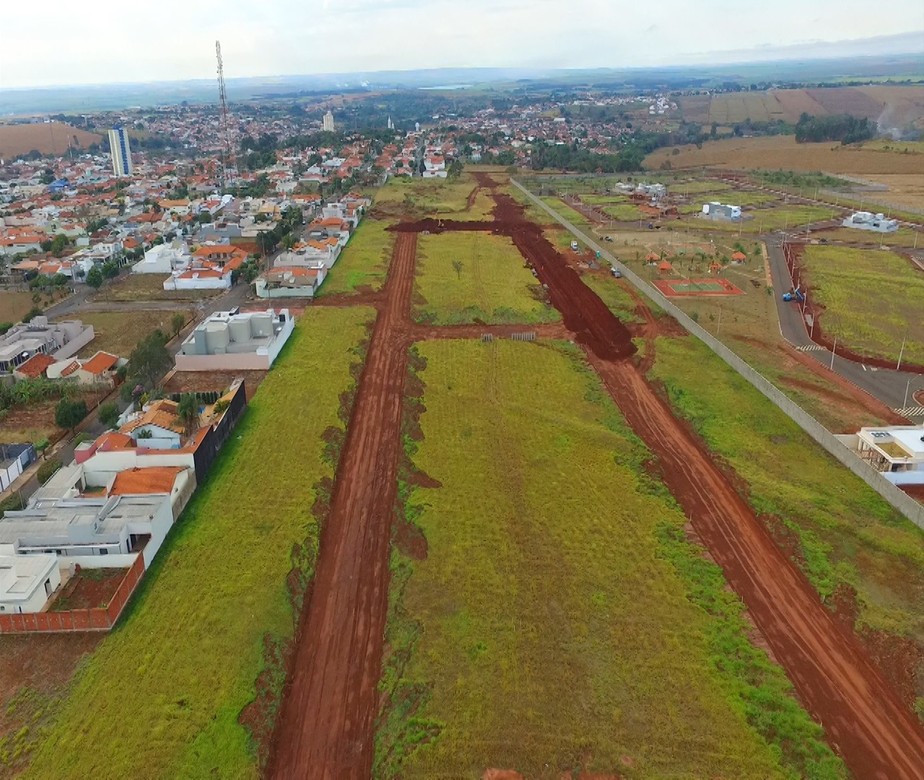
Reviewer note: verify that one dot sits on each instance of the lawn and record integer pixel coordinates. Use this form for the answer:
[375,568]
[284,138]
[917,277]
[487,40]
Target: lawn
[14,305]
[873,300]
[162,695]
[560,621]
[489,282]
[147,287]
[363,262]
[844,533]
[119,332]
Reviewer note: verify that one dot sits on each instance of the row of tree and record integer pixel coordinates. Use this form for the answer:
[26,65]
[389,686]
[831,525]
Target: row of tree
[839,127]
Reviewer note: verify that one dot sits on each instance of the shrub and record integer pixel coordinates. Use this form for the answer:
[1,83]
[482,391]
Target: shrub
[47,470]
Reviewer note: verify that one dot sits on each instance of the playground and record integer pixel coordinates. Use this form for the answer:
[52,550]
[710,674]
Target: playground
[680,288]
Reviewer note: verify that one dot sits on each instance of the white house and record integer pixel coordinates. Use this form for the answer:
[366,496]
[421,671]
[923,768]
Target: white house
[877,223]
[896,451]
[27,582]
[164,258]
[231,340]
[290,282]
[716,210]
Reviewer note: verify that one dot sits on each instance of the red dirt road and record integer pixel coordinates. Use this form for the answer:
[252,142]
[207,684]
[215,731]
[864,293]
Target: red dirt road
[325,725]
[864,719]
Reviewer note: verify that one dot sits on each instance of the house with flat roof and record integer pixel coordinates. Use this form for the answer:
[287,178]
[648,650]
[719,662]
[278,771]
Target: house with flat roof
[895,451]
[164,258]
[721,211]
[290,282]
[233,340]
[877,223]
[40,337]
[27,582]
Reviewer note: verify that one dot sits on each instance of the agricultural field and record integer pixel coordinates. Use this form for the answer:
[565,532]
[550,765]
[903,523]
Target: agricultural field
[416,198]
[129,287]
[730,108]
[905,191]
[839,531]
[471,277]
[872,300]
[781,152]
[51,138]
[14,305]
[559,621]
[119,332]
[188,689]
[363,262]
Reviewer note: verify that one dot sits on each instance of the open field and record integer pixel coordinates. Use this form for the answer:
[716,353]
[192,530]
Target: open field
[574,217]
[905,191]
[763,220]
[782,152]
[216,600]
[202,381]
[119,332]
[130,287]
[872,300]
[14,305]
[539,631]
[434,198]
[837,529]
[30,424]
[490,286]
[363,262]
[903,237]
[53,138]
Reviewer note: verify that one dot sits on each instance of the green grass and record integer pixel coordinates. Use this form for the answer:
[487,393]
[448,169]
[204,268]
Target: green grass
[903,237]
[765,220]
[492,285]
[873,300]
[162,695]
[614,295]
[436,198]
[560,621]
[574,217]
[363,262]
[846,533]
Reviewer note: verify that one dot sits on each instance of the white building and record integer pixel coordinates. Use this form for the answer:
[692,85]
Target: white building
[328,124]
[121,152]
[290,282]
[39,337]
[716,210]
[896,451]
[27,582]
[877,223]
[164,259]
[231,340]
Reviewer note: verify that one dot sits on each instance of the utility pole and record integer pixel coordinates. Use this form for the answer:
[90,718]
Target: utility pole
[901,353]
[907,388]
[833,352]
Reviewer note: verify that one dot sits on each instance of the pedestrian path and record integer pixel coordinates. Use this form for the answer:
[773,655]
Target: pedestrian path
[811,348]
[910,411]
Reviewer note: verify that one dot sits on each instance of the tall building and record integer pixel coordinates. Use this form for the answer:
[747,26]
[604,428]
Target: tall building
[391,125]
[121,153]
[328,126]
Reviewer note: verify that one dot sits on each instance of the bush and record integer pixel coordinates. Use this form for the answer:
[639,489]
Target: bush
[109,414]
[11,503]
[47,470]
[68,414]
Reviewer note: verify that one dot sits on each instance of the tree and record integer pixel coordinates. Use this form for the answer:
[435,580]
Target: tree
[149,361]
[457,267]
[454,170]
[109,414]
[95,278]
[187,411]
[177,321]
[68,413]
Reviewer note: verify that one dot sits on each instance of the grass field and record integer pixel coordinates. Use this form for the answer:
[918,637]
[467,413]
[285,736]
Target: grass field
[119,332]
[363,262]
[781,152]
[491,285]
[763,220]
[53,138]
[574,217]
[614,295]
[14,305]
[903,237]
[162,695]
[844,532]
[560,621]
[435,198]
[147,287]
[873,299]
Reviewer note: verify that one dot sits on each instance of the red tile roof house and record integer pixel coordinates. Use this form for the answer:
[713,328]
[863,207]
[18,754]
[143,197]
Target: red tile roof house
[98,370]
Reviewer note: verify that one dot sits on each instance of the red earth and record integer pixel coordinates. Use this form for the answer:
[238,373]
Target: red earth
[326,724]
[673,288]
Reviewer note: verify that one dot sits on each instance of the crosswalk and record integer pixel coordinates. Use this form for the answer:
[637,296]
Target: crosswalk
[811,348]
[910,411]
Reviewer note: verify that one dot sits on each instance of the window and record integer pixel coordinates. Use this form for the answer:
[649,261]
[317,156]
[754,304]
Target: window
[103,551]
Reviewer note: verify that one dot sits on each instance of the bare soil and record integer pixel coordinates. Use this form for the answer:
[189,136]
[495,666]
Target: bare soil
[88,588]
[202,381]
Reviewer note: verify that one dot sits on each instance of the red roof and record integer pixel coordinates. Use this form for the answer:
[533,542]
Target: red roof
[100,362]
[35,366]
[157,479]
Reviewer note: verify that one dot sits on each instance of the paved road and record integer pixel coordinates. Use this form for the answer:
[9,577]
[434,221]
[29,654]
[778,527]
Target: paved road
[894,388]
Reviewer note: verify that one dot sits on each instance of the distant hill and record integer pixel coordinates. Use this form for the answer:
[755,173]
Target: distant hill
[48,138]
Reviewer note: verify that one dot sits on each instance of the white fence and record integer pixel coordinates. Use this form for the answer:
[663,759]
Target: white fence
[899,500]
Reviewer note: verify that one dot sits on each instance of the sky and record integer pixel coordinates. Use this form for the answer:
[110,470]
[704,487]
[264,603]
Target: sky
[60,42]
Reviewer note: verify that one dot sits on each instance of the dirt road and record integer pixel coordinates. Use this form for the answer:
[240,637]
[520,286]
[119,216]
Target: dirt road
[326,722]
[864,719]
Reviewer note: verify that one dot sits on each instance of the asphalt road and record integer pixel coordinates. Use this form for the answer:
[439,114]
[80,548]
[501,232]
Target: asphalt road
[896,389]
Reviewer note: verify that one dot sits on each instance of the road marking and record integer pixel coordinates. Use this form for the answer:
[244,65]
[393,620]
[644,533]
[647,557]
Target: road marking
[864,367]
[811,348]
[910,411]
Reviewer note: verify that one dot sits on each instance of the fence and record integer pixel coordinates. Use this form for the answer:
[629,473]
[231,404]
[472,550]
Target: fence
[893,495]
[93,619]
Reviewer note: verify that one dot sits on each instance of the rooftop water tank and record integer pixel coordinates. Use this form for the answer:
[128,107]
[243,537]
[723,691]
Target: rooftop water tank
[216,338]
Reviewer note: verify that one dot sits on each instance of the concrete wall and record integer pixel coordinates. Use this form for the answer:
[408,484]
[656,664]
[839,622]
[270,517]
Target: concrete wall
[893,495]
[75,344]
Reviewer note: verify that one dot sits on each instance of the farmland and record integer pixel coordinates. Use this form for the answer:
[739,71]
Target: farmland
[837,529]
[476,277]
[363,262]
[872,300]
[48,138]
[782,152]
[120,332]
[515,643]
[193,644]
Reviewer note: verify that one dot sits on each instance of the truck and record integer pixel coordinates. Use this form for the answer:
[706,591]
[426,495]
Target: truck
[574,246]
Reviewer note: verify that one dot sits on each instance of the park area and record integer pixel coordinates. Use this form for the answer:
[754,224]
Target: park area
[476,277]
[871,300]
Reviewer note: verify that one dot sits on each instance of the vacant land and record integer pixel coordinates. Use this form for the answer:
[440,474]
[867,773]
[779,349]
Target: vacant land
[476,277]
[764,220]
[559,621]
[14,305]
[435,198]
[364,260]
[903,237]
[202,381]
[872,300]
[574,217]
[119,332]
[193,644]
[147,287]
[53,138]
[835,527]
[905,191]
[782,152]
[30,423]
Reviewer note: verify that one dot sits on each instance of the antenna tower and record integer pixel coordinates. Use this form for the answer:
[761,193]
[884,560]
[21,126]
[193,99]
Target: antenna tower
[227,156]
